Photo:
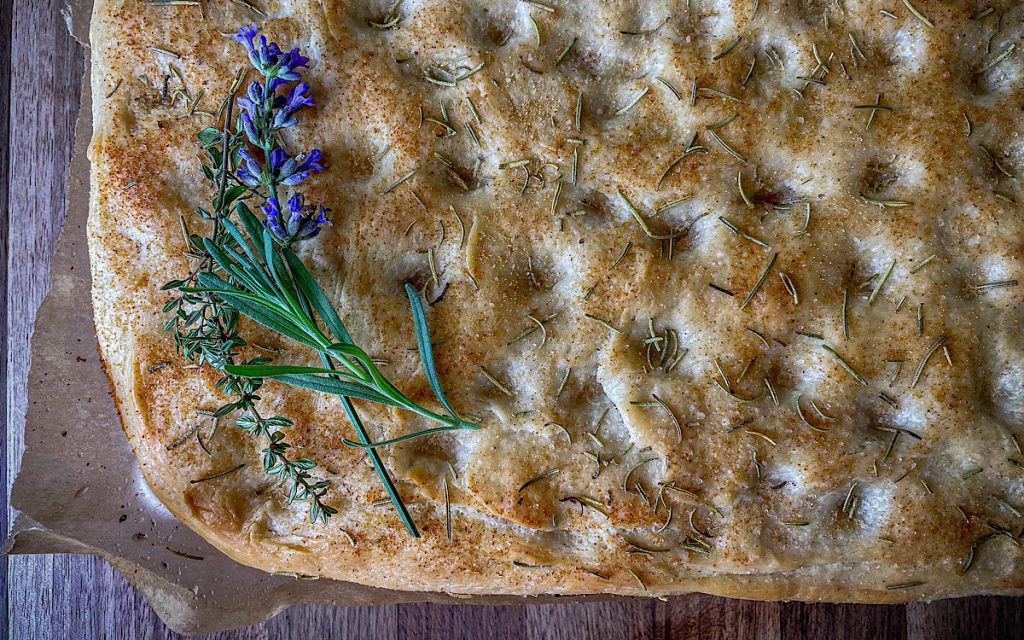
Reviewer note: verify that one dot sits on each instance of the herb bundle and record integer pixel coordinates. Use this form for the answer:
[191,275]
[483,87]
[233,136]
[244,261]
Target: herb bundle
[246,266]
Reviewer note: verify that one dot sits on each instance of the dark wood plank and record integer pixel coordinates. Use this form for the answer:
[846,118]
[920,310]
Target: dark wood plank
[983,617]
[713,618]
[852,622]
[626,619]
[355,623]
[6,10]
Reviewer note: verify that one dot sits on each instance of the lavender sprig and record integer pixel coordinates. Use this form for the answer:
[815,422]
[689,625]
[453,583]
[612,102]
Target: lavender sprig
[265,112]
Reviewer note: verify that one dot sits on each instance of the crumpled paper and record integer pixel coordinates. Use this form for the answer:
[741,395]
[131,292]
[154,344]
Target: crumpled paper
[80,489]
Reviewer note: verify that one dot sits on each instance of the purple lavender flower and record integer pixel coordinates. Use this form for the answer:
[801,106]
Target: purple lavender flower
[250,172]
[286,107]
[283,170]
[262,55]
[292,171]
[309,166]
[272,210]
[288,65]
[278,66]
[280,165]
[304,222]
[250,128]
[244,37]
[252,101]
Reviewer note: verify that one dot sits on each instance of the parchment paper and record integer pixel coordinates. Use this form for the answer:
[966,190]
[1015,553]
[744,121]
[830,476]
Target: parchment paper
[80,489]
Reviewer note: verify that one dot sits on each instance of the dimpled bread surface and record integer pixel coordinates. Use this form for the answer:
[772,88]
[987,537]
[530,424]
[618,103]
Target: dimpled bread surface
[764,255]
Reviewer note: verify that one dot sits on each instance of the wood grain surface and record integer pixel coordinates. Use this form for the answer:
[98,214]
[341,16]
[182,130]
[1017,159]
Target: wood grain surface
[82,598]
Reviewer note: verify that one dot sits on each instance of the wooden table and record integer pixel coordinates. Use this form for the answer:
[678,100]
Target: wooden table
[82,598]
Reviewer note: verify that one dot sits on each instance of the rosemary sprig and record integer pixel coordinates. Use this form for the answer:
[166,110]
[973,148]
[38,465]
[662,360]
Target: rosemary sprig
[279,293]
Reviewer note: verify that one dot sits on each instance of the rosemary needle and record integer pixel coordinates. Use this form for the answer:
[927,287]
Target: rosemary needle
[725,378]
[1002,56]
[603,323]
[565,52]
[672,165]
[760,281]
[922,264]
[904,585]
[544,476]
[447,510]
[846,314]
[725,145]
[625,478]
[217,475]
[632,103]
[561,385]
[540,5]
[732,227]
[497,384]
[397,183]
[762,436]
[743,194]
[183,438]
[671,414]
[164,52]
[622,255]
[917,14]
[718,93]
[668,521]
[790,287]
[727,50]
[639,581]
[668,85]
[927,356]
[760,337]
[881,282]
[578,114]
[845,365]
[643,222]
[588,502]
[996,284]
[885,203]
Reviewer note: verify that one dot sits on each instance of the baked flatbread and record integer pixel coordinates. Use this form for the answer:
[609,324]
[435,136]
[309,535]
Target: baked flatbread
[813,390]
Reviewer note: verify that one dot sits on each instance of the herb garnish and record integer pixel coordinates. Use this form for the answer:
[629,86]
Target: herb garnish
[246,267]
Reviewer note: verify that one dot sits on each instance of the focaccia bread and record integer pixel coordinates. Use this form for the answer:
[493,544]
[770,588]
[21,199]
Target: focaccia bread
[814,390]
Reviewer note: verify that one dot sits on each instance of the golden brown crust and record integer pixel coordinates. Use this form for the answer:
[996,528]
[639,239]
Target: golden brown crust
[838,491]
